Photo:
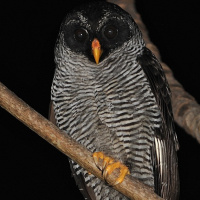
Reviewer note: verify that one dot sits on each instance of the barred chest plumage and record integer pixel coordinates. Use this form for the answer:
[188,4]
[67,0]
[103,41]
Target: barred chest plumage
[110,108]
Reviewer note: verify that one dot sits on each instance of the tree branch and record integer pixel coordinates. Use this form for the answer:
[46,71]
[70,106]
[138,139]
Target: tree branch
[186,110]
[132,188]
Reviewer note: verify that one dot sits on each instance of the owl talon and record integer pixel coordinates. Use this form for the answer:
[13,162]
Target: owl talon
[96,157]
[107,161]
[116,165]
[109,165]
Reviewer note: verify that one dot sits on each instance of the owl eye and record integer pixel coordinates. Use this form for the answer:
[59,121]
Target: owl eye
[110,32]
[80,34]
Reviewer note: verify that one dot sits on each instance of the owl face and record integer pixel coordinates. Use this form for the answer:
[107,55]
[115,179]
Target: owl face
[97,30]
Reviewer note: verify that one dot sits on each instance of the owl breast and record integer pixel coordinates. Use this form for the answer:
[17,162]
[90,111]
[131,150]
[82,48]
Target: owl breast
[109,108]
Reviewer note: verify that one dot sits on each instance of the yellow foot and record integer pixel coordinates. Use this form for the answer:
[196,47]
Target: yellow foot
[108,165]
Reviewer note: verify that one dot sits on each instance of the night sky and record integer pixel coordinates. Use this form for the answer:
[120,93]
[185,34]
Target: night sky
[30,167]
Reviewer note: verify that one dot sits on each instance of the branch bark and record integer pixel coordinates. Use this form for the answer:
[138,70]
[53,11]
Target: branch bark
[185,108]
[132,188]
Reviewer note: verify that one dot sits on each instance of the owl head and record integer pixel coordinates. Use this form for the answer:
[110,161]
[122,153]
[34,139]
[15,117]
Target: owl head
[95,30]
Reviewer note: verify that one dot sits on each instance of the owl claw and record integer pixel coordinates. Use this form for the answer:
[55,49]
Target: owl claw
[107,161]
[109,165]
[96,157]
[116,165]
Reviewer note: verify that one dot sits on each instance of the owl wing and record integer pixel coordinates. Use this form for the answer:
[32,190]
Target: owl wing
[86,191]
[164,158]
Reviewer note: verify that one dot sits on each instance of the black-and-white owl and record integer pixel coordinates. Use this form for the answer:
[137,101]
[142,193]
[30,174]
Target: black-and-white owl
[110,94]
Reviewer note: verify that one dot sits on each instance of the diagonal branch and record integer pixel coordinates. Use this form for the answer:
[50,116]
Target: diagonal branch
[186,110]
[132,188]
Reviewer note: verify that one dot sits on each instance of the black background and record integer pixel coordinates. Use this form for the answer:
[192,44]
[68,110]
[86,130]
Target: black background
[30,167]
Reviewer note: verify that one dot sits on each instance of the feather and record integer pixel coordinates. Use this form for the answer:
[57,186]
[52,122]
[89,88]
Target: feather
[87,192]
[165,145]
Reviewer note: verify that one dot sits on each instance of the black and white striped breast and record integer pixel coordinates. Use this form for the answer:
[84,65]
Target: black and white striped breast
[108,107]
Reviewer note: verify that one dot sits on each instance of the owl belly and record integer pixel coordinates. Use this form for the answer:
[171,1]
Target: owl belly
[117,116]
[117,127]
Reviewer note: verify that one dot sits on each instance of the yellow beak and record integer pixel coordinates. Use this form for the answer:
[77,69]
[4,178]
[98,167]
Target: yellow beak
[96,50]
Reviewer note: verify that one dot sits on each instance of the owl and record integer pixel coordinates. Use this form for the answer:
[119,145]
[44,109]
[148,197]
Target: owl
[110,94]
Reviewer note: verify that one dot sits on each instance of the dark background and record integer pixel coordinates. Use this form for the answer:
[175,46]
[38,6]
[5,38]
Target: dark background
[30,167]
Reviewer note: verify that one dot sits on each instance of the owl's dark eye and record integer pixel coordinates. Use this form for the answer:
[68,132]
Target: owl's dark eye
[80,34]
[110,32]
